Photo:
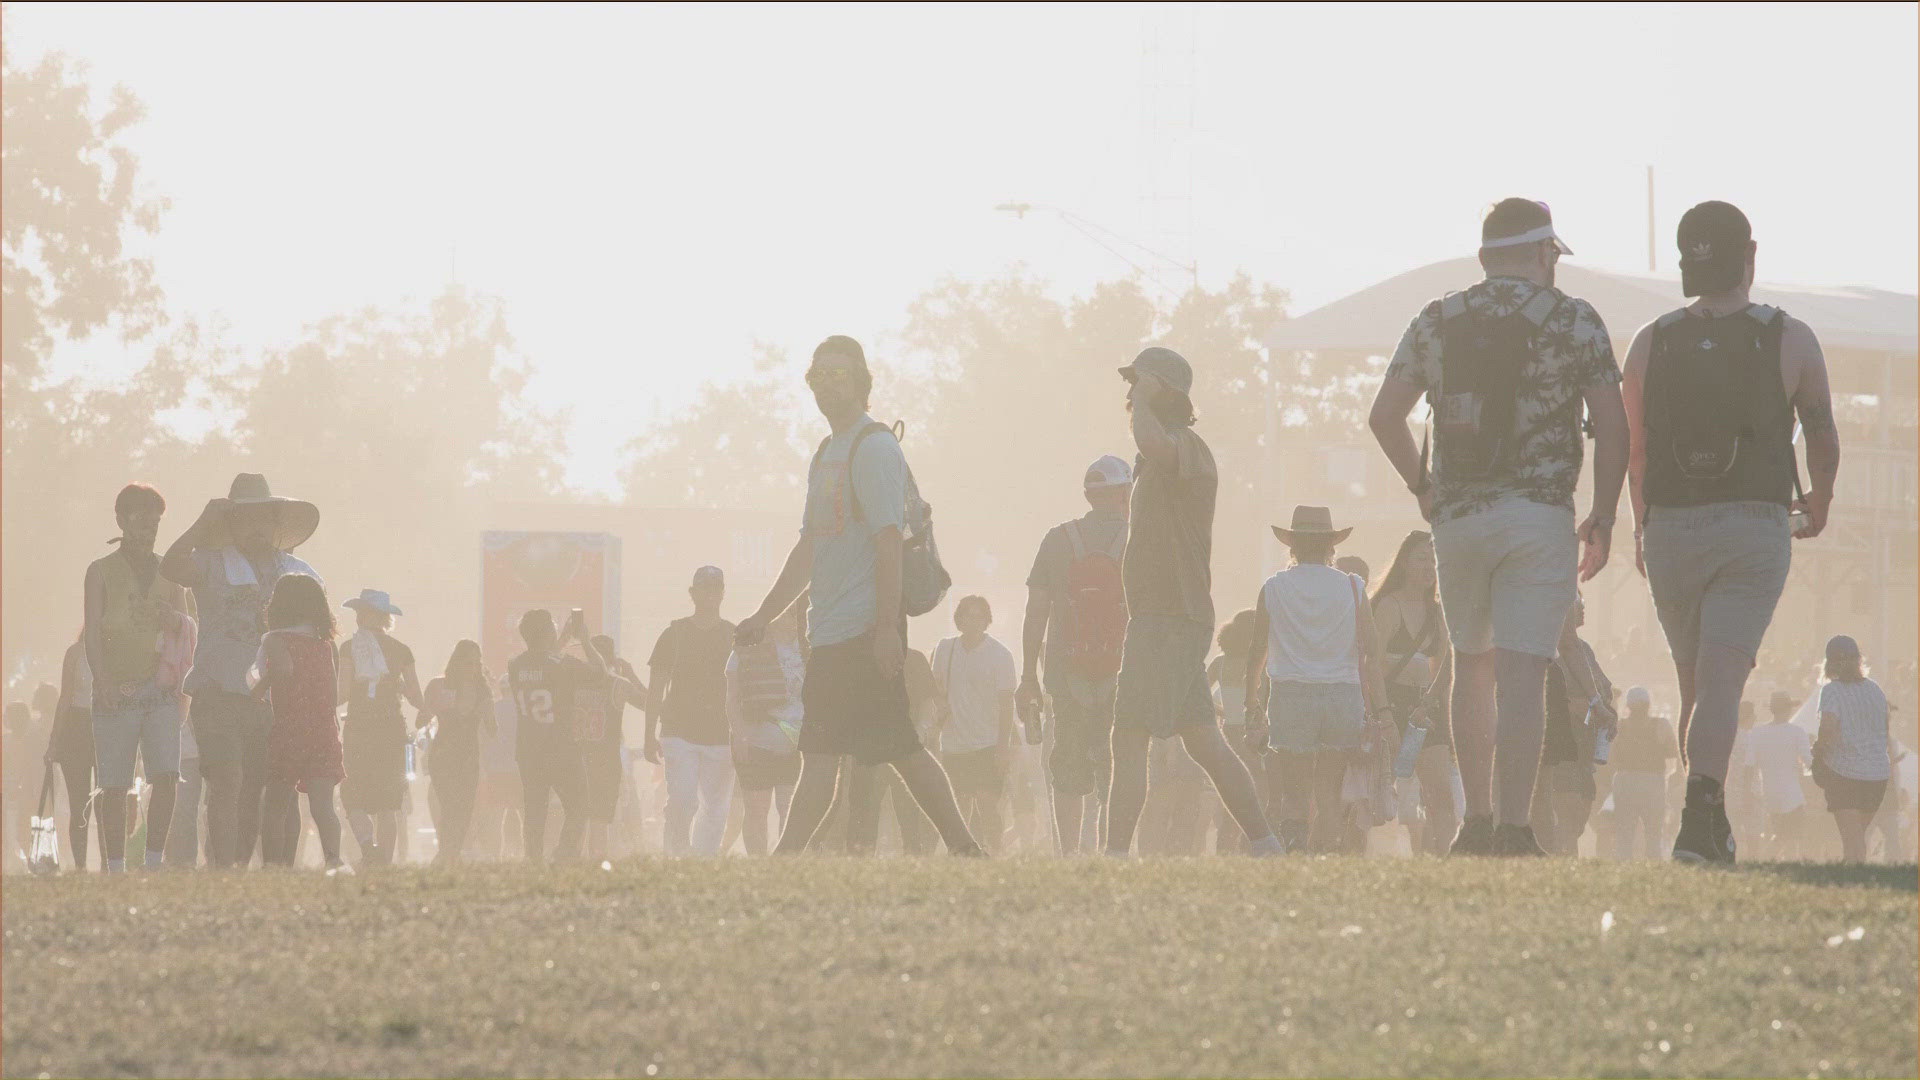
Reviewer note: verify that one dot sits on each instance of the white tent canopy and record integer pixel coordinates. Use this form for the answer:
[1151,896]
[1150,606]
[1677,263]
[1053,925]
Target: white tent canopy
[1372,319]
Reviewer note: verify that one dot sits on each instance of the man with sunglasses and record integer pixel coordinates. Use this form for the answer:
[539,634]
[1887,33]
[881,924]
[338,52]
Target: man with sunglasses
[848,558]
[1506,366]
[1712,390]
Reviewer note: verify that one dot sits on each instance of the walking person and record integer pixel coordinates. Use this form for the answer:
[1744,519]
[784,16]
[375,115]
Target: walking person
[1579,706]
[1227,674]
[295,674]
[460,705]
[230,558]
[547,685]
[974,676]
[849,558]
[376,673]
[1314,645]
[1418,665]
[764,712]
[602,742]
[1077,618]
[1507,365]
[70,745]
[1712,390]
[1167,571]
[1643,753]
[1781,752]
[139,635]
[1853,754]
[687,719]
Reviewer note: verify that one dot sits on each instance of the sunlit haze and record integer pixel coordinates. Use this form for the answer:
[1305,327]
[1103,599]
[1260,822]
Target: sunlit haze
[653,189]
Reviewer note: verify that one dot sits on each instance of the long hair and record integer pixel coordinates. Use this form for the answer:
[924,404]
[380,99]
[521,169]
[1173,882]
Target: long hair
[1396,575]
[467,665]
[300,598]
[1845,668]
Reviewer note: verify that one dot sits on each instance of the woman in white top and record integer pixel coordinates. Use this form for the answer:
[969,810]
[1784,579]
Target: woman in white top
[1309,628]
[1851,758]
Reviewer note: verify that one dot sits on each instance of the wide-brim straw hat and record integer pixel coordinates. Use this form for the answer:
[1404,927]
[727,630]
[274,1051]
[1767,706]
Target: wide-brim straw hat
[1312,523]
[294,521]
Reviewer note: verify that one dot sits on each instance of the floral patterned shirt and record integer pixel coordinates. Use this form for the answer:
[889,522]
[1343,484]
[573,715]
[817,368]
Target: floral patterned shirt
[1575,355]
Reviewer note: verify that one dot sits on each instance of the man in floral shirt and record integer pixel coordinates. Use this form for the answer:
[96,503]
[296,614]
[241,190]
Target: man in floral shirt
[1506,365]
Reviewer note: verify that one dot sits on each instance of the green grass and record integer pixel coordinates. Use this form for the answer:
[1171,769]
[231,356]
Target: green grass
[826,966]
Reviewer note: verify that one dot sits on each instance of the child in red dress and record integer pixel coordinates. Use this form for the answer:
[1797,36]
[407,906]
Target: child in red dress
[294,670]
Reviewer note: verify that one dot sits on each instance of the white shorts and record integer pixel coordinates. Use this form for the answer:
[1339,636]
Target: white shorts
[1507,577]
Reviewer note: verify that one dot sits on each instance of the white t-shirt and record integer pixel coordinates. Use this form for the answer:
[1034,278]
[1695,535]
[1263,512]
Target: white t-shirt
[976,683]
[1311,611]
[1778,751]
[1858,748]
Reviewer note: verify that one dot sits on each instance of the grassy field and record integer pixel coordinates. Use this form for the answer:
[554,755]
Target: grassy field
[1214,967]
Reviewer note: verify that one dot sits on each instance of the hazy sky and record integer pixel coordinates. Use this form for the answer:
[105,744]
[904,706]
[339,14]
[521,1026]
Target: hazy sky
[654,188]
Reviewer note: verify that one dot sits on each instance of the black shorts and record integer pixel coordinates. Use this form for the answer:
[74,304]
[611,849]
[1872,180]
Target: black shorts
[602,779]
[1846,793]
[764,770]
[848,707]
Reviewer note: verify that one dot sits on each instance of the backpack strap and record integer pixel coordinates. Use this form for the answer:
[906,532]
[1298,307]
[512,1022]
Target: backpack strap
[853,493]
[1453,305]
[1541,306]
[1076,544]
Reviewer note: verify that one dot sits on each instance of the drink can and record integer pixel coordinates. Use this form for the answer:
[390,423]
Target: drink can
[1411,744]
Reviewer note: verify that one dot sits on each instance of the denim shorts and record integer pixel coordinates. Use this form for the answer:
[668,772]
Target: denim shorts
[147,724]
[1307,718]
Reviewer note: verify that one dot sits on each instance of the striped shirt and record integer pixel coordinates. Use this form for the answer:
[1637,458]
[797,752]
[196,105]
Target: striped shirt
[1857,743]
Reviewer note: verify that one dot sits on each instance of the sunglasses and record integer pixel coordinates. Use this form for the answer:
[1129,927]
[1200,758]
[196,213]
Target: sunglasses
[829,376]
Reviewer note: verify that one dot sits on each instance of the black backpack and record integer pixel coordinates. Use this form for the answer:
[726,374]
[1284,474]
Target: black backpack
[1483,358]
[923,580]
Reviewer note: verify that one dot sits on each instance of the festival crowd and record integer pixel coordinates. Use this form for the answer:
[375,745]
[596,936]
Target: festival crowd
[1448,706]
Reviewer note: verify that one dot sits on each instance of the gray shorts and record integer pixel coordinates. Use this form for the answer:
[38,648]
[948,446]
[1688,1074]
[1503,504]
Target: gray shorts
[1507,577]
[1717,572]
[1082,757]
[1162,685]
[147,723]
[1307,718]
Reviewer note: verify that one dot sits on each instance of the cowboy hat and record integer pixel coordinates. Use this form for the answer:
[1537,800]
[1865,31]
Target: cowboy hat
[294,521]
[372,598]
[1312,523]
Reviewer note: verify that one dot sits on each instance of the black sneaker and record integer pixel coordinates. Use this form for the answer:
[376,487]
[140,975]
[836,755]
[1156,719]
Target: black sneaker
[1475,837]
[1511,841]
[1706,836]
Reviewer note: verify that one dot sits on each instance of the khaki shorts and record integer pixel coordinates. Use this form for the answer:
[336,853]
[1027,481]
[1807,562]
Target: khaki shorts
[1717,572]
[1082,757]
[1507,577]
[1162,686]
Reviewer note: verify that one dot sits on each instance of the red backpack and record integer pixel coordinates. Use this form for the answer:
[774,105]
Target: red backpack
[1096,606]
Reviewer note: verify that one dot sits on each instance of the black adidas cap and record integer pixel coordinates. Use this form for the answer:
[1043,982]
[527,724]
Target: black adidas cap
[1713,239]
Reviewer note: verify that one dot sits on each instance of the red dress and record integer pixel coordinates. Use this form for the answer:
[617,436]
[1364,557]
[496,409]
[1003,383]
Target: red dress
[304,742]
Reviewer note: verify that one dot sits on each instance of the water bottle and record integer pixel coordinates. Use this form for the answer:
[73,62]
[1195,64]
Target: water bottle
[1602,739]
[1411,744]
[410,772]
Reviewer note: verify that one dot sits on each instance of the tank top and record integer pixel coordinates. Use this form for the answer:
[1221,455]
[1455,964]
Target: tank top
[134,620]
[1311,637]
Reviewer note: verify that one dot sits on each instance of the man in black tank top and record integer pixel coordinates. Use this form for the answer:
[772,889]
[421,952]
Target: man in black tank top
[1712,391]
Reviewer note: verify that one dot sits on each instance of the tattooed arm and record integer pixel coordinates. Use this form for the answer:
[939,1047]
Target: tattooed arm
[1813,402]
